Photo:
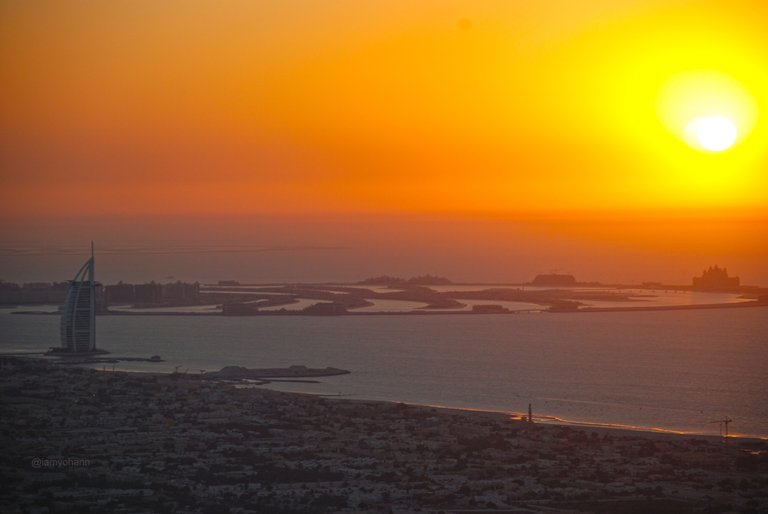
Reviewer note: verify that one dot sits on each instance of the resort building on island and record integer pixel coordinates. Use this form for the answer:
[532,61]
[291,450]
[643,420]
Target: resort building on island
[78,316]
[554,280]
[715,278]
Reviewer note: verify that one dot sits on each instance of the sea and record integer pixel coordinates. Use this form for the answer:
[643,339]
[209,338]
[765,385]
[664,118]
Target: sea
[681,371]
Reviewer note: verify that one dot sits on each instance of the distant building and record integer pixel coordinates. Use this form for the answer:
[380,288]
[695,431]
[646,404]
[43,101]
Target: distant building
[174,293]
[31,293]
[715,278]
[554,280]
[148,293]
[78,316]
[119,293]
[10,293]
[44,292]
[181,292]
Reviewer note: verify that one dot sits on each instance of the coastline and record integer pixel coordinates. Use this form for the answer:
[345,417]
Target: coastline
[544,419]
[190,442]
[265,382]
[549,308]
[445,312]
[614,428]
[732,305]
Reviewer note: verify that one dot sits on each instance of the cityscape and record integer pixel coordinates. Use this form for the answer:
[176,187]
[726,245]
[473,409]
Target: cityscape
[139,443]
[218,442]
[383,257]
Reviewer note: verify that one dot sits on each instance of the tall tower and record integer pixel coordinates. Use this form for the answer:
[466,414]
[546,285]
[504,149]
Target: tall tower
[78,318]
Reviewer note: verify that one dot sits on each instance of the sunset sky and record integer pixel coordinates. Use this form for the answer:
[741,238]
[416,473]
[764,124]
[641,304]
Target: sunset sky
[489,139]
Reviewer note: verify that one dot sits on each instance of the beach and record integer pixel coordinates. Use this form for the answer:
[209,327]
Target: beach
[177,443]
[676,370]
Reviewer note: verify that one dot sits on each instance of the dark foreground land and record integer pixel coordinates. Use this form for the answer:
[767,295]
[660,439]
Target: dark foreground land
[76,440]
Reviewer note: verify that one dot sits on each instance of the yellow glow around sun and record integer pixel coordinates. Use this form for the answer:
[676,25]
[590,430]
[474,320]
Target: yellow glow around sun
[709,110]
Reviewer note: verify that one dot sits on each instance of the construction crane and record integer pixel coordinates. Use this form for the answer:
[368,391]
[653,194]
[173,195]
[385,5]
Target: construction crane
[723,422]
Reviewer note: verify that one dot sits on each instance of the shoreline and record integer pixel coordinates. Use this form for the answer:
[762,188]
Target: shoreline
[548,420]
[266,382]
[435,311]
[139,441]
[545,419]
[554,421]
[731,305]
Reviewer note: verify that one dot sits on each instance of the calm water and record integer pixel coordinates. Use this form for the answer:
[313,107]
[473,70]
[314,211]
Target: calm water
[675,370]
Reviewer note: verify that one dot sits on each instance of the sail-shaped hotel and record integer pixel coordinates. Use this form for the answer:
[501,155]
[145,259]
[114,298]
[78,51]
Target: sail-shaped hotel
[78,317]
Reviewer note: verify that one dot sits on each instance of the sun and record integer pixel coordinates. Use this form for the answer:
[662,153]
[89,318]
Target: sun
[708,110]
[712,133]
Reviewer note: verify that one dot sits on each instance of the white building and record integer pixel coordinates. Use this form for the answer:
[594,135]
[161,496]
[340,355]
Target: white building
[78,317]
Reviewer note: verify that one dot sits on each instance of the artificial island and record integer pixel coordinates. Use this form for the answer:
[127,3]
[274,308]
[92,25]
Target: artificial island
[378,295]
[79,440]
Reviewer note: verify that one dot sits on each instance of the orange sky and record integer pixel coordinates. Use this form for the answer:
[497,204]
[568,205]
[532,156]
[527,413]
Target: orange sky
[481,110]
